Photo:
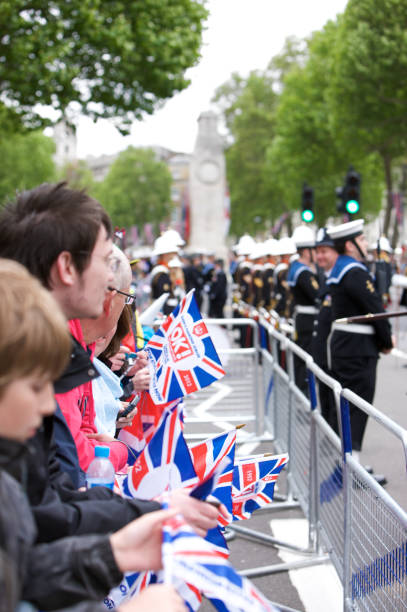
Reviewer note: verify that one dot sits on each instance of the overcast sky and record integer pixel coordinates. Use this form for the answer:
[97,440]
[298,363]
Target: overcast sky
[241,35]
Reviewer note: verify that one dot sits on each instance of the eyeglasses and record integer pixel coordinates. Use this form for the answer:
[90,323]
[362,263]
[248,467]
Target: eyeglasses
[130,299]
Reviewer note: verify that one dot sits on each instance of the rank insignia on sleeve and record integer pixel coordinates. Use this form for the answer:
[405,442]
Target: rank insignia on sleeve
[369,286]
[314,283]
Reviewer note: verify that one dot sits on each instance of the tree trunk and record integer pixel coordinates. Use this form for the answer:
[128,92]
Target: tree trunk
[389,187]
[402,190]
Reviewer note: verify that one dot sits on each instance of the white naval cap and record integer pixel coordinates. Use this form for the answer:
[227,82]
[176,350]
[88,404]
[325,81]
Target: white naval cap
[173,236]
[162,245]
[346,231]
[303,237]
[271,246]
[384,245]
[258,250]
[245,245]
[286,246]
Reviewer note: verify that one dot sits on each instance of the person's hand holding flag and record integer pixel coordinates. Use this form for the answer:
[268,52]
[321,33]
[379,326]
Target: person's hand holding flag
[137,546]
[200,515]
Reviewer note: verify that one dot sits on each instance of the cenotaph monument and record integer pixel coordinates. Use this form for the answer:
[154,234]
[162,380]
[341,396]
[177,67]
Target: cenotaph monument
[207,189]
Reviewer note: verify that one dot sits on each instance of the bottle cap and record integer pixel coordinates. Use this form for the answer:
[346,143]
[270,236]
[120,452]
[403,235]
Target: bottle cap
[102,451]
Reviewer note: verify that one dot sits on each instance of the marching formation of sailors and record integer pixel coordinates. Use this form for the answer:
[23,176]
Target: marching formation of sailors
[312,281]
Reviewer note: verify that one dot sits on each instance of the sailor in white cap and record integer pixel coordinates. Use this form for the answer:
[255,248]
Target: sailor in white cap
[271,251]
[381,267]
[257,257]
[282,297]
[165,249]
[353,349]
[243,282]
[303,285]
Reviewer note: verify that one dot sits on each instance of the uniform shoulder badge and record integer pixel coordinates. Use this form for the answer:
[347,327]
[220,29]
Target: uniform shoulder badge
[314,283]
[369,286]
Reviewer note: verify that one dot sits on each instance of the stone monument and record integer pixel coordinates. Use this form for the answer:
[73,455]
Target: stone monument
[207,189]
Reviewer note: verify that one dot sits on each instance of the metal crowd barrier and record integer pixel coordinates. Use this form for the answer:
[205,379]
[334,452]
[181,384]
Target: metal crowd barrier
[237,397]
[351,519]
[350,516]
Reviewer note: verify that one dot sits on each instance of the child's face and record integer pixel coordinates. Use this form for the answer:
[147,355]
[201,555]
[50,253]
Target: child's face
[23,405]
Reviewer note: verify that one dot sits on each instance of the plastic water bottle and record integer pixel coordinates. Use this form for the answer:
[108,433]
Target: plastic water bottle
[100,471]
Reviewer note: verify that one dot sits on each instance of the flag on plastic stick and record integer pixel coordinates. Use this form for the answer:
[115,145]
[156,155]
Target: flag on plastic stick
[254,479]
[189,557]
[182,357]
[144,424]
[206,455]
[164,464]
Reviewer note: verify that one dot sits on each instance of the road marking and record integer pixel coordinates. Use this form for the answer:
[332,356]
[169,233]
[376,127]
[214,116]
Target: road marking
[222,392]
[318,586]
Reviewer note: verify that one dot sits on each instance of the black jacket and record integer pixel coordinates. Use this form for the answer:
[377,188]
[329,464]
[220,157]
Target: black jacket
[355,295]
[59,509]
[51,576]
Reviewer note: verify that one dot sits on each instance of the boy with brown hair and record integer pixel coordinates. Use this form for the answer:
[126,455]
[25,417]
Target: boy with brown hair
[70,570]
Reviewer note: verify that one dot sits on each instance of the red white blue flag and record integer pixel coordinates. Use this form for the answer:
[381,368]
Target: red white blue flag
[130,586]
[164,464]
[189,557]
[254,479]
[207,457]
[182,357]
[144,424]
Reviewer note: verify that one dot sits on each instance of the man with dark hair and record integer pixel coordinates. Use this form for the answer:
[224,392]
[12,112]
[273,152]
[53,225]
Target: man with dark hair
[51,223]
[63,237]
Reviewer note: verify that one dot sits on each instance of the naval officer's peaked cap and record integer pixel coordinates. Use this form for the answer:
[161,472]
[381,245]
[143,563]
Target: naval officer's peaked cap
[346,231]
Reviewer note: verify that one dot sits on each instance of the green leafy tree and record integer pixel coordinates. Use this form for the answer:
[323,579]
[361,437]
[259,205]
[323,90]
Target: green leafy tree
[113,59]
[308,148]
[248,106]
[78,175]
[26,161]
[368,96]
[250,116]
[137,189]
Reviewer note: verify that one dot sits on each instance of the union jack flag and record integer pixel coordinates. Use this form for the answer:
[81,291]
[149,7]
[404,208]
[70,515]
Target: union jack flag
[254,479]
[144,424]
[189,557]
[131,584]
[164,464]
[182,357]
[207,456]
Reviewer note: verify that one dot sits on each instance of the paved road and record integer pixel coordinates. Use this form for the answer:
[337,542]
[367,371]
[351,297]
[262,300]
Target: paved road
[381,450]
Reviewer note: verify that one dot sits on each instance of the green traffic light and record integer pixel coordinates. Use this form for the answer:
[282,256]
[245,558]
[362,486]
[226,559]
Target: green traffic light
[307,216]
[352,207]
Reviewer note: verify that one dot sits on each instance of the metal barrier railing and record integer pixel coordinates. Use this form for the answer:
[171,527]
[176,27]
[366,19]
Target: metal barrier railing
[350,517]
[238,396]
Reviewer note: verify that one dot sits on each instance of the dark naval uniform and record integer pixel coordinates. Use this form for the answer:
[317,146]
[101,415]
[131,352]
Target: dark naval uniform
[243,277]
[304,289]
[353,349]
[268,273]
[282,295]
[161,283]
[322,329]
[257,286]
